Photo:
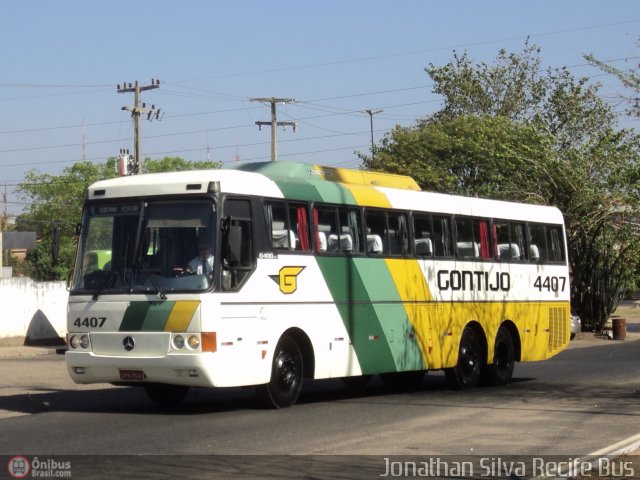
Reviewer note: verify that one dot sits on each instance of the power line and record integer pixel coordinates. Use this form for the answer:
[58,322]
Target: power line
[302,102]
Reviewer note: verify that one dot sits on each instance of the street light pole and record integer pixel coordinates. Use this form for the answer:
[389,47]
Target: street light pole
[371,113]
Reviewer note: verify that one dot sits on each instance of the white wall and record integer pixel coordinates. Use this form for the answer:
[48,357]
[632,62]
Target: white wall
[20,298]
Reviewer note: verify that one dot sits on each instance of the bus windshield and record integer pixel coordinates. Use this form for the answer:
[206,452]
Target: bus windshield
[152,247]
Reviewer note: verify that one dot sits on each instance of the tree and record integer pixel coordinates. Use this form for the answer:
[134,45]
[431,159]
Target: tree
[56,200]
[510,130]
[630,79]
[465,155]
[175,164]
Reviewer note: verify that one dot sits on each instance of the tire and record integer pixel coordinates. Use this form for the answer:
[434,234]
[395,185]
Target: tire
[500,371]
[285,385]
[403,380]
[466,373]
[166,395]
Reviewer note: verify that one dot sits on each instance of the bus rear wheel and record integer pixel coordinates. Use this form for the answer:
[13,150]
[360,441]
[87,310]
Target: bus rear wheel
[504,359]
[286,375]
[166,395]
[466,373]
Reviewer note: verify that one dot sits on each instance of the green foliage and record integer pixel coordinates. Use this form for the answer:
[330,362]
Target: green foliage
[175,164]
[465,155]
[510,130]
[59,198]
[630,79]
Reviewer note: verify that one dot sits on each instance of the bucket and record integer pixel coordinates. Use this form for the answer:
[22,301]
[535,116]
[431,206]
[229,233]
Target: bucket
[619,328]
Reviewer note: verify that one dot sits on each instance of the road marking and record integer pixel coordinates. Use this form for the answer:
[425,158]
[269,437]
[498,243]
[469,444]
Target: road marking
[624,446]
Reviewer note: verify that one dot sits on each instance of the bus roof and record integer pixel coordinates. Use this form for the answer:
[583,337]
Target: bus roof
[309,182]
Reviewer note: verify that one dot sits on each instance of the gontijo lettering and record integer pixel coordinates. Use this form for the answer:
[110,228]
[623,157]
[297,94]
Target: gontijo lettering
[473,280]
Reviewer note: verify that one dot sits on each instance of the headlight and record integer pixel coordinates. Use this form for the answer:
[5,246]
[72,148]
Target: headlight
[84,341]
[74,342]
[194,342]
[178,342]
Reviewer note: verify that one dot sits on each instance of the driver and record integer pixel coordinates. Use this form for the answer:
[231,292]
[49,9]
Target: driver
[203,263]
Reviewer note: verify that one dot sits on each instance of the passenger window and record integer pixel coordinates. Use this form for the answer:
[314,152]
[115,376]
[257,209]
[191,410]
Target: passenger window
[510,244]
[537,243]
[442,239]
[288,226]
[350,228]
[472,239]
[326,223]
[422,235]
[397,233]
[376,232]
[555,244]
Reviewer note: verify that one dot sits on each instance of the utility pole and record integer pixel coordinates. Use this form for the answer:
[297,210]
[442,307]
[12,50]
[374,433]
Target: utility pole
[274,122]
[371,114]
[3,226]
[138,109]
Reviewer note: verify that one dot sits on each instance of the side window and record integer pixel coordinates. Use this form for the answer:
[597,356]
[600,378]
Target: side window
[422,235]
[555,244]
[518,241]
[504,249]
[288,226]
[326,224]
[299,223]
[510,244]
[466,247]
[481,237]
[350,230]
[398,233]
[376,232]
[472,239]
[442,239]
[237,246]
[537,243]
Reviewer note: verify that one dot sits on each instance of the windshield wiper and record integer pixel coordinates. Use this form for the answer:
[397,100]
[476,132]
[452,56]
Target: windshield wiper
[151,276]
[156,285]
[107,282]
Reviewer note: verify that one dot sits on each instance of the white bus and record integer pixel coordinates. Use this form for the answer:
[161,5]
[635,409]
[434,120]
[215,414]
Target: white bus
[274,273]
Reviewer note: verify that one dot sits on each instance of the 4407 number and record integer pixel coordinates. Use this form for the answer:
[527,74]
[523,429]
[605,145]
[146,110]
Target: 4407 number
[550,283]
[94,322]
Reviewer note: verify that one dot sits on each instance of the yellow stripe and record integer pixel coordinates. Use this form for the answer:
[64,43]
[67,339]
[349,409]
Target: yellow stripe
[438,325]
[414,292]
[361,177]
[367,196]
[181,315]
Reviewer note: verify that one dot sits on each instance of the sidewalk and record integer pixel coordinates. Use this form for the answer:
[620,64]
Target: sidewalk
[13,347]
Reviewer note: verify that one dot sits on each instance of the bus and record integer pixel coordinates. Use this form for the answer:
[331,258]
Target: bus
[318,272]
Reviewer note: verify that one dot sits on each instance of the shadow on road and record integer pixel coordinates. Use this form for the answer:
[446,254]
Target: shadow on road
[523,394]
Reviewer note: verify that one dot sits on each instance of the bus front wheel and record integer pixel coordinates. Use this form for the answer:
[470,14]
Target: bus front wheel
[466,373]
[286,375]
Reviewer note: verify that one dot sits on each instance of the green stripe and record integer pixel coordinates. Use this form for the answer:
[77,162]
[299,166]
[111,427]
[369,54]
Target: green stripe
[146,316]
[354,283]
[391,315]
[316,191]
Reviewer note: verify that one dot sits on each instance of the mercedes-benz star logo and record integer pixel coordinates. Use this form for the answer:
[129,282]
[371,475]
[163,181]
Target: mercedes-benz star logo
[128,343]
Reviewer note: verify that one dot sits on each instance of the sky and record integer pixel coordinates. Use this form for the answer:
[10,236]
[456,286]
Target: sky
[62,62]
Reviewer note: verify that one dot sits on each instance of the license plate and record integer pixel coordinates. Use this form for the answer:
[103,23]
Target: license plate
[132,375]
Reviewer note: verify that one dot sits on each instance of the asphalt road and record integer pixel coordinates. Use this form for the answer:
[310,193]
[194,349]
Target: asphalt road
[579,402]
